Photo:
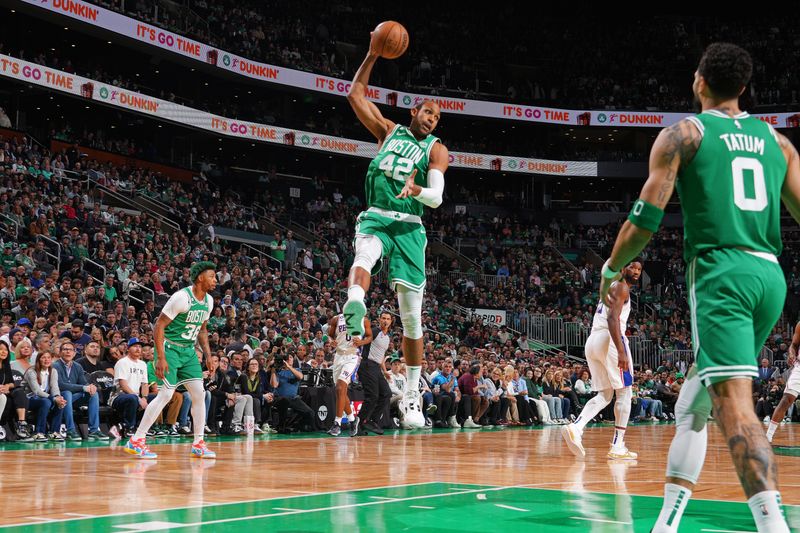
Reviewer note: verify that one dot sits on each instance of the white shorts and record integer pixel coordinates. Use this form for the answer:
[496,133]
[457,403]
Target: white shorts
[603,360]
[793,383]
[344,366]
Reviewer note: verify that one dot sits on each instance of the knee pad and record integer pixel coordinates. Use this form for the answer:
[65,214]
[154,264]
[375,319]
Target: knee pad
[369,250]
[410,305]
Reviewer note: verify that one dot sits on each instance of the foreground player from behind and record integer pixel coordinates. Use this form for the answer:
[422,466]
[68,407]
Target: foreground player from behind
[731,171]
[405,176]
[182,322]
[345,363]
[611,367]
[792,390]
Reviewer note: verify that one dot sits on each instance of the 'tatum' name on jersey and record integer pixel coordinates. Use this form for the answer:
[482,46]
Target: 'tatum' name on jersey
[741,142]
[405,148]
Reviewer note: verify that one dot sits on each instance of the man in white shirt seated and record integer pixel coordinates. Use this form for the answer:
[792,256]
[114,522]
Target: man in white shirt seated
[130,381]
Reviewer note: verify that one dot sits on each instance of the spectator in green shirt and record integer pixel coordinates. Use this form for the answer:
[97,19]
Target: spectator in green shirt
[7,259]
[110,291]
[278,247]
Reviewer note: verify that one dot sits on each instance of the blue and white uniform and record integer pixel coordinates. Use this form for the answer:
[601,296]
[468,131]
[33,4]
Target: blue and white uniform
[601,353]
[346,356]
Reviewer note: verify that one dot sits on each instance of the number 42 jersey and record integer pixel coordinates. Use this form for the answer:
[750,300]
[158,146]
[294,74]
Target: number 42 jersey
[730,192]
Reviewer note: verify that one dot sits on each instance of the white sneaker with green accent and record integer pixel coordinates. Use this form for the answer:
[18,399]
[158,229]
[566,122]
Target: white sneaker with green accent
[354,312]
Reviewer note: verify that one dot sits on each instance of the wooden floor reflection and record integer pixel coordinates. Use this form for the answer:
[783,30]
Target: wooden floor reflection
[65,482]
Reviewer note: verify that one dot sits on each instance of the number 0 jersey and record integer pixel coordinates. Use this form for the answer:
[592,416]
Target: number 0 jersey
[730,192]
[399,155]
[188,315]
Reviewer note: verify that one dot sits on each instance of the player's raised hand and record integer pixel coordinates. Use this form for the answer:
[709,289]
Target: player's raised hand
[410,186]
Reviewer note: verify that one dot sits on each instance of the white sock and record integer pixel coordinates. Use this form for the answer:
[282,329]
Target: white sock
[351,417]
[675,500]
[768,512]
[355,292]
[338,420]
[154,409]
[198,396]
[413,373]
[619,438]
[771,430]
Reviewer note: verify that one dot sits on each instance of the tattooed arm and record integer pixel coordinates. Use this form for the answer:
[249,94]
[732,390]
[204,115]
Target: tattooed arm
[674,148]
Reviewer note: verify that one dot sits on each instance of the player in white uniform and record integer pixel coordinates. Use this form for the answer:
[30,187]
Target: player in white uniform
[610,365]
[345,362]
[792,390]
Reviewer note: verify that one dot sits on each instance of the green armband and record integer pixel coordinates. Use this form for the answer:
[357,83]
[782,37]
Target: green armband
[645,215]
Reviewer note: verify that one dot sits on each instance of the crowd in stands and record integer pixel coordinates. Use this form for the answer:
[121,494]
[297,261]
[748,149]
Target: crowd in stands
[622,75]
[96,295]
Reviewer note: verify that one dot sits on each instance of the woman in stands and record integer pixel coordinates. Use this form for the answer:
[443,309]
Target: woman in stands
[44,396]
[511,396]
[533,378]
[97,336]
[569,400]
[254,382]
[552,395]
[11,395]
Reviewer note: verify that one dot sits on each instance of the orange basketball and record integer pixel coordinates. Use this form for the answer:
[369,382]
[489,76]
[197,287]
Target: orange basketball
[389,39]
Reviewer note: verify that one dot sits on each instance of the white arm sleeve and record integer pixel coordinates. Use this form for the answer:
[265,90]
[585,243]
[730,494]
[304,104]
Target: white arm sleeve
[432,195]
[177,303]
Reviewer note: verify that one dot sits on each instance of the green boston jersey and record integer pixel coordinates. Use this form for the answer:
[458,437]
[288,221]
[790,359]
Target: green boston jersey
[187,314]
[731,191]
[400,154]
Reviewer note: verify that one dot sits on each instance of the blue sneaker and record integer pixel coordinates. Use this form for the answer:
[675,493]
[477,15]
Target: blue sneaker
[201,450]
[354,312]
[139,449]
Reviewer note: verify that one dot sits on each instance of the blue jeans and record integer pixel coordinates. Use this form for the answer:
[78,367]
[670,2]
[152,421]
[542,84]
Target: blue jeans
[208,407]
[565,407]
[427,400]
[183,414]
[127,405]
[43,406]
[78,398]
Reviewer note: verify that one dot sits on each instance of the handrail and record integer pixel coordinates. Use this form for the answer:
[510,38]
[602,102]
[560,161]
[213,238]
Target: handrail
[15,223]
[129,202]
[264,254]
[315,280]
[57,245]
[129,296]
[460,255]
[96,264]
[564,259]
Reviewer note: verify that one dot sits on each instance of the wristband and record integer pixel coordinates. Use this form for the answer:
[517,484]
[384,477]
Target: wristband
[607,272]
[645,215]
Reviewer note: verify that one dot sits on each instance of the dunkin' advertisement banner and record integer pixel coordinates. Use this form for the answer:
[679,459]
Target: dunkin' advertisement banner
[186,47]
[33,73]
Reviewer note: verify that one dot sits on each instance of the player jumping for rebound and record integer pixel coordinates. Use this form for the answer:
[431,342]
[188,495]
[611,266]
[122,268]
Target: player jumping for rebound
[792,390]
[181,323]
[405,176]
[611,367]
[345,363]
[731,171]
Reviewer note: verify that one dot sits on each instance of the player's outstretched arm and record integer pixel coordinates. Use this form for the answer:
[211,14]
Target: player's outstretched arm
[367,112]
[432,195]
[790,194]
[674,146]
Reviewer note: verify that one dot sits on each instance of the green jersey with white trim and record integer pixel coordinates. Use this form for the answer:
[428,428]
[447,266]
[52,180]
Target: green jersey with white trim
[187,314]
[400,154]
[731,191]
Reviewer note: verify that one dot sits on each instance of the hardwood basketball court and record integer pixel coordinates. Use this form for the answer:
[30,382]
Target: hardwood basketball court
[465,480]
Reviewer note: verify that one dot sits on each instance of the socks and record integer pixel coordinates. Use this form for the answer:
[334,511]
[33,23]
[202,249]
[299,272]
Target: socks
[675,500]
[768,512]
[619,437]
[413,373]
[771,430]
[351,417]
[338,420]
[356,292]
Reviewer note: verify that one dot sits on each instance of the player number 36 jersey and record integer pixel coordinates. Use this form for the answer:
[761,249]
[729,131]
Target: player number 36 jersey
[188,316]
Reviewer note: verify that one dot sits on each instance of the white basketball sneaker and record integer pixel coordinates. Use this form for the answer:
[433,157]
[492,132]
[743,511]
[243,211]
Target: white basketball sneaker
[412,411]
[572,436]
[622,452]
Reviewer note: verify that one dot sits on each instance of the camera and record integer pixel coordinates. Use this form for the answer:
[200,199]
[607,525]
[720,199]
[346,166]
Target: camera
[280,361]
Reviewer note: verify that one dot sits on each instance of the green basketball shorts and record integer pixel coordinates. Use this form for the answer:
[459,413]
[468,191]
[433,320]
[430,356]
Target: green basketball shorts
[735,299]
[403,243]
[183,365]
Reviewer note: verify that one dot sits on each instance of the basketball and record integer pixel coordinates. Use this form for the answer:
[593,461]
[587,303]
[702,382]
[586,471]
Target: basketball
[389,39]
